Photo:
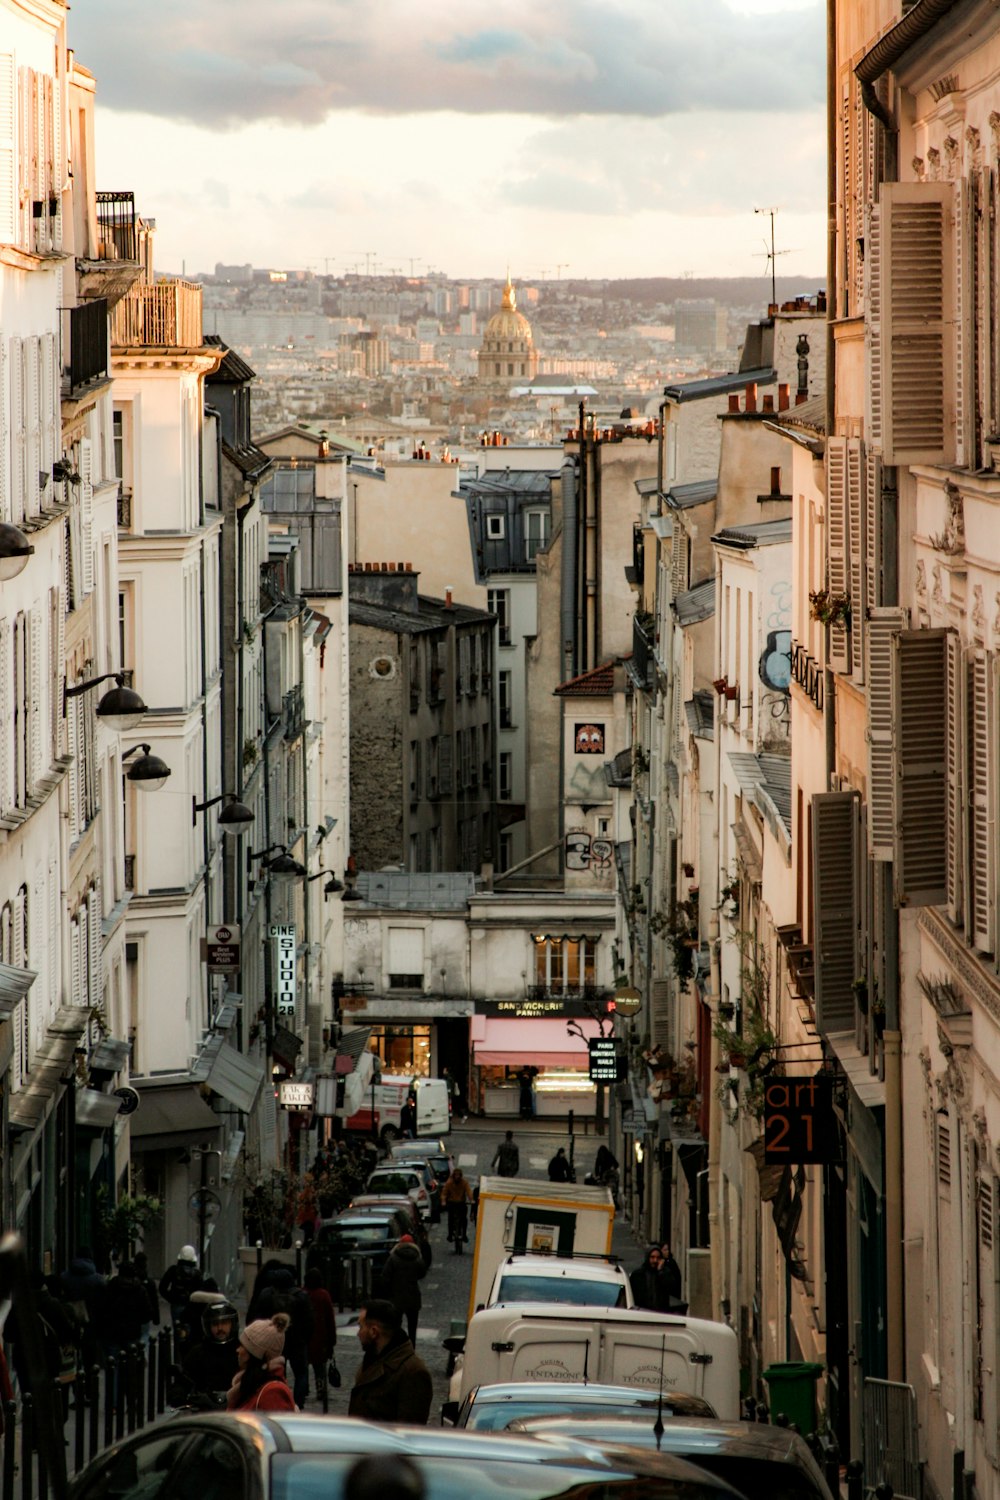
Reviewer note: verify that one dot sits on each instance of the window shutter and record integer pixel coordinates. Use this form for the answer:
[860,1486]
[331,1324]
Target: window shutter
[873,325]
[857,535]
[917,319]
[988,231]
[95,978]
[836,545]
[87,512]
[847,197]
[5,445]
[955,826]
[446,765]
[37,725]
[16,427]
[882,627]
[873,531]
[964,338]
[989,1277]
[6,714]
[30,358]
[50,404]
[920,783]
[834,907]
[76,960]
[26,165]
[8,149]
[982,865]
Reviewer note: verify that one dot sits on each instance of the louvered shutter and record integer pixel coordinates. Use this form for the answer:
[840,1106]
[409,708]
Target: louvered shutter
[33,453]
[920,766]
[54,936]
[8,149]
[986,1323]
[95,978]
[836,546]
[874,551]
[857,529]
[955,826]
[847,198]
[660,1011]
[6,714]
[5,444]
[75,770]
[991,407]
[882,626]
[37,716]
[58,155]
[982,749]
[964,326]
[873,325]
[26,164]
[446,765]
[87,513]
[50,404]
[76,961]
[834,820]
[917,322]
[16,428]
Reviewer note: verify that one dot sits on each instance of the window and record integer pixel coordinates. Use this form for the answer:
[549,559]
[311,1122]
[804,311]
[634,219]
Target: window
[564,964]
[603,828]
[118,421]
[506,851]
[142,1469]
[496,528]
[498,603]
[505,705]
[406,958]
[506,774]
[536,532]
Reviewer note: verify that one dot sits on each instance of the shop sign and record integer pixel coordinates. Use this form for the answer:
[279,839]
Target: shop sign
[800,1124]
[222,948]
[540,1007]
[284,970]
[293,1095]
[607,1064]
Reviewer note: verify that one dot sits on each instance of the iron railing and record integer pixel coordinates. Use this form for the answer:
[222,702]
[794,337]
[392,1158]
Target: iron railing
[116,238]
[130,872]
[293,715]
[166,315]
[124,508]
[88,342]
[643,658]
[808,673]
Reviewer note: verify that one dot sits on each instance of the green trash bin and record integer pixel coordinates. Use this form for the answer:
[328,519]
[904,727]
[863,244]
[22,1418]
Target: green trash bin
[792,1388]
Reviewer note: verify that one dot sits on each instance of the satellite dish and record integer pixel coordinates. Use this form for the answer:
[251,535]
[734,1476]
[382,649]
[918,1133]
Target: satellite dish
[129,1100]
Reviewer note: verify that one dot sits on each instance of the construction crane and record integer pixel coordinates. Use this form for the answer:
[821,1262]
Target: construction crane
[561,266]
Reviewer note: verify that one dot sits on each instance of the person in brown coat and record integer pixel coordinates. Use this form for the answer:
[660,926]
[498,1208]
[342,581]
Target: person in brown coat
[324,1328]
[392,1384]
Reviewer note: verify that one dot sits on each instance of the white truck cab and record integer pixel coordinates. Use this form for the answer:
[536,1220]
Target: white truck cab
[586,1281]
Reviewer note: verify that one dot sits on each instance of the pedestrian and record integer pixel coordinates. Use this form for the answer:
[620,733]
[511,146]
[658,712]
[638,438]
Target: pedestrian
[606,1171]
[506,1158]
[152,1295]
[260,1384]
[323,1338]
[560,1169]
[454,1093]
[392,1384]
[82,1285]
[648,1290]
[456,1195]
[124,1308]
[670,1271]
[275,1291]
[176,1285]
[408,1118]
[210,1362]
[525,1083]
[402,1274]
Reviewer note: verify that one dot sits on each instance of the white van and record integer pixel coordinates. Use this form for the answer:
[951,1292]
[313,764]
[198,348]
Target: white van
[611,1345]
[389,1095]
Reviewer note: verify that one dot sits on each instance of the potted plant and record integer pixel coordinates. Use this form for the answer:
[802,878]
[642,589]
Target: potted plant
[829,607]
[732,692]
[719,683]
[688,870]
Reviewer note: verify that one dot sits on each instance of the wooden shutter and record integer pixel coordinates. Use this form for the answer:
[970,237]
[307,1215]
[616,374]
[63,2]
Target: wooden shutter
[882,627]
[834,819]
[95,977]
[26,158]
[847,147]
[836,545]
[874,551]
[16,427]
[76,961]
[87,513]
[955,825]
[873,325]
[986,1329]
[50,404]
[446,765]
[920,765]
[917,264]
[8,149]
[964,325]
[32,403]
[982,749]
[6,715]
[5,444]
[856,539]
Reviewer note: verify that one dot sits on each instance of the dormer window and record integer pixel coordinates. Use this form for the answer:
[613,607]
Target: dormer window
[496,528]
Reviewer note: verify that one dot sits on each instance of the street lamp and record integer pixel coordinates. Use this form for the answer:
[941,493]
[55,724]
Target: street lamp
[282,865]
[121,708]
[232,819]
[15,549]
[149,773]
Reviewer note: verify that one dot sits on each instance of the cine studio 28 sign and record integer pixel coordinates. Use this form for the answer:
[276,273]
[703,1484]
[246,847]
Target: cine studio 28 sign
[800,1123]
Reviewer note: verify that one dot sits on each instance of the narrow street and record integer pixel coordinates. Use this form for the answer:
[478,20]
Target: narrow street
[447,1283]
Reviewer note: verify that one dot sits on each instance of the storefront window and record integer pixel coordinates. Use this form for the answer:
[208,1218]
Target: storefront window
[403,1049]
[564,964]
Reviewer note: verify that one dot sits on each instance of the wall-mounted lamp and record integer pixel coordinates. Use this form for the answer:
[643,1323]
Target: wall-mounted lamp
[149,773]
[15,549]
[121,708]
[233,818]
[351,893]
[282,865]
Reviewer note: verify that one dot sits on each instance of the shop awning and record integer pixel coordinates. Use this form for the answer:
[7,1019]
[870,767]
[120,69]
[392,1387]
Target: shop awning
[14,985]
[544,1044]
[96,1109]
[229,1073]
[50,1065]
[171,1115]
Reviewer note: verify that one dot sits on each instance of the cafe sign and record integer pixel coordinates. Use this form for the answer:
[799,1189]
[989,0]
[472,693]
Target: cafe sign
[800,1123]
[295,1095]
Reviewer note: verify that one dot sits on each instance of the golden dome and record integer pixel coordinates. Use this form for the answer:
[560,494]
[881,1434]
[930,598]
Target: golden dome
[508,323]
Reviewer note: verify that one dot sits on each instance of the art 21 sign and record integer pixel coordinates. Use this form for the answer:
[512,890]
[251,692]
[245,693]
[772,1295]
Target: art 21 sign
[800,1125]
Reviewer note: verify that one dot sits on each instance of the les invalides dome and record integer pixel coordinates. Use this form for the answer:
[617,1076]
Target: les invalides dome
[508,351]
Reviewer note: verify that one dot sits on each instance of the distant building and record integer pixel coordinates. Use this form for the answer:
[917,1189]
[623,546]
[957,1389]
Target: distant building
[700,323]
[508,351]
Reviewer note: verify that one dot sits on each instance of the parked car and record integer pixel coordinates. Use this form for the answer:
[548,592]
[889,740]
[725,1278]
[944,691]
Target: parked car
[435,1154]
[494,1408]
[768,1463]
[373,1234]
[366,1203]
[587,1282]
[400,1181]
[250,1456]
[430,1180]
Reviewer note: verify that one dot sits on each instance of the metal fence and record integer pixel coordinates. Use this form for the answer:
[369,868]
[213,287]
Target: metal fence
[889,1437]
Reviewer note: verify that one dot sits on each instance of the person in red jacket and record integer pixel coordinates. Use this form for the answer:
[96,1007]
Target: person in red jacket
[324,1329]
[260,1383]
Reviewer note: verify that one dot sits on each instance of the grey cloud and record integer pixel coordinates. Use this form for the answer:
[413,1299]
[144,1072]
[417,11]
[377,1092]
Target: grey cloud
[234,62]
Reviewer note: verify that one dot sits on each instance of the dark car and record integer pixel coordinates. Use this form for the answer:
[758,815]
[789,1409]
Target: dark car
[437,1156]
[493,1408]
[373,1234]
[250,1456]
[768,1463]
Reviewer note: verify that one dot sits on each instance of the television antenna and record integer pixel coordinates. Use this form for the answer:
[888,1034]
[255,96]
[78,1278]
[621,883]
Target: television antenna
[770,254]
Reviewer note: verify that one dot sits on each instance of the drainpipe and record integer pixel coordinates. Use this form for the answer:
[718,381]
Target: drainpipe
[829,681]
[579,644]
[715,976]
[568,581]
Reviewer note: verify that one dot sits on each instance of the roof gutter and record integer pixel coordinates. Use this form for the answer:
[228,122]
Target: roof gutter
[887,51]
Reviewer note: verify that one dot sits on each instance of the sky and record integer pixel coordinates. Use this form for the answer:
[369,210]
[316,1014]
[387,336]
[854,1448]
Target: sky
[561,138]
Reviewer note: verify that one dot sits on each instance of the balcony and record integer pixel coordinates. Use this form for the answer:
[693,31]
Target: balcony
[112,266]
[164,316]
[293,717]
[124,508]
[88,343]
[808,673]
[643,651]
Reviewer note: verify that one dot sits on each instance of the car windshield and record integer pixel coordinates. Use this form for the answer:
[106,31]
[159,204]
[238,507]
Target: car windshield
[561,1289]
[368,1231]
[494,1416]
[393,1182]
[320,1476]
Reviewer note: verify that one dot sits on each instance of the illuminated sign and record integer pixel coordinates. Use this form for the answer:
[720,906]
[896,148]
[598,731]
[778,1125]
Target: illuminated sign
[607,1064]
[292,1095]
[284,970]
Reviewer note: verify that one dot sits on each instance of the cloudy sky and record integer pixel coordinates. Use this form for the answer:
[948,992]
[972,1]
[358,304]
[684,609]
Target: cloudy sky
[573,137]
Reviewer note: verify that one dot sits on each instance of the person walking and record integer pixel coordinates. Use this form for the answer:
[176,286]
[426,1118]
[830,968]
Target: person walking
[323,1338]
[648,1290]
[670,1274]
[123,1309]
[392,1384]
[506,1158]
[260,1384]
[275,1291]
[400,1282]
[560,1169]
[456,1195]
[525,1083]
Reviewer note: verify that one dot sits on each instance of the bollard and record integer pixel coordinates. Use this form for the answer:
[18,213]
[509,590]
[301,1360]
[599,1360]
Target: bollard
[93,1409]
[79,1419]
[132,1379]
[162,1370]
[27,1444]
[150,1380]
[298,1262]
[109,1402]
[855,1480]
[43,1470]
[9,1448]
[119,1394]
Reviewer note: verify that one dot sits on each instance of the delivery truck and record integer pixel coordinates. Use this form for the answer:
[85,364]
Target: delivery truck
[540,1218]
[612,1346]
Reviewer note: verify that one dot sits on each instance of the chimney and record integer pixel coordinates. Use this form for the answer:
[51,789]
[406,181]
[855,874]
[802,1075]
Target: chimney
[768,403]
[801,396]
[783,396]
[447,597]
[734,401]
[751,395]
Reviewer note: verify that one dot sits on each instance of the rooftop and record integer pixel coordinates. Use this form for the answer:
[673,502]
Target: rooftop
[697,492]
[599,682]
[718,385]
[759,534]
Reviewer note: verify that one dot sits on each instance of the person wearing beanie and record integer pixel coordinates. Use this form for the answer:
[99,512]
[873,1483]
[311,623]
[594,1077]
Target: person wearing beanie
[400,1282]
[260,1384]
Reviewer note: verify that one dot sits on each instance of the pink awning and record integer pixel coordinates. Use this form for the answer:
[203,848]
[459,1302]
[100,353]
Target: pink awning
[543,1043]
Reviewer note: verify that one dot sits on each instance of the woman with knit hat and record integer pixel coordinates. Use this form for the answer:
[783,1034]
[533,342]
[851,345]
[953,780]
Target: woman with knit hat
[260,1383]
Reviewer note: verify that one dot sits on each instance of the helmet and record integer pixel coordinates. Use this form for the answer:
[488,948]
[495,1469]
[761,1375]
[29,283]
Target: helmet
[188,1252]
[221,1322]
